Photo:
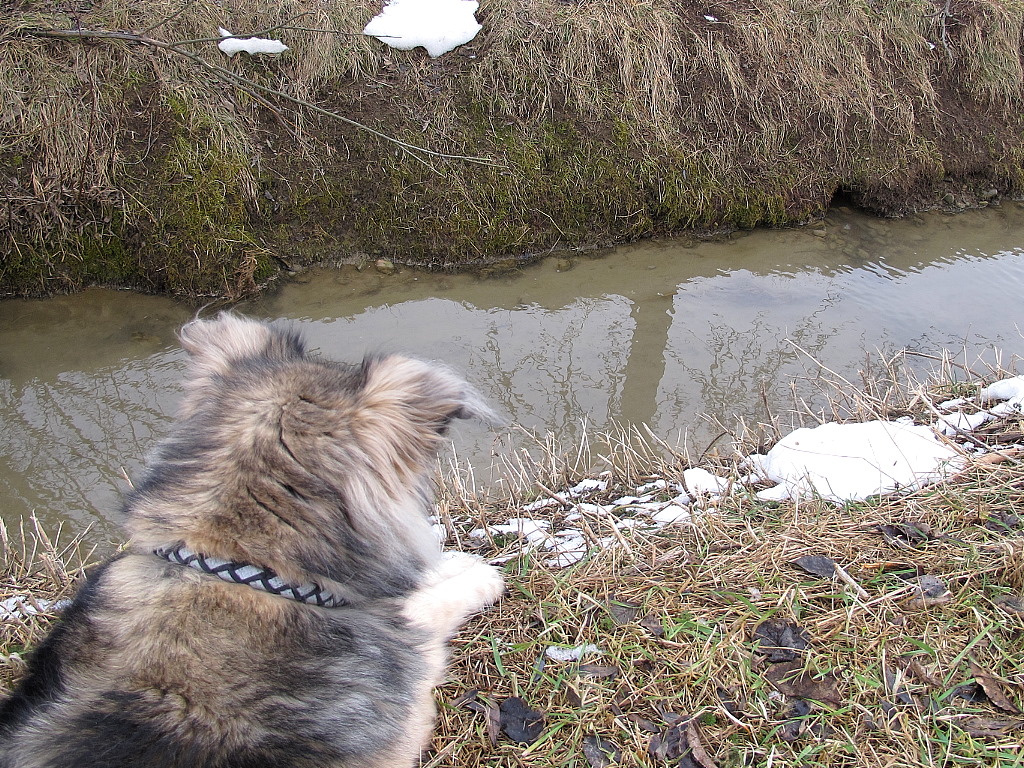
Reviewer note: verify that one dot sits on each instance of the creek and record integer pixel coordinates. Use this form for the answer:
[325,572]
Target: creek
[675,334]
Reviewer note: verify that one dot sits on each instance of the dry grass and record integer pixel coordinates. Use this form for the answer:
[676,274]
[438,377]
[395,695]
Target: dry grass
[892,674]
[38,570]
[609,120]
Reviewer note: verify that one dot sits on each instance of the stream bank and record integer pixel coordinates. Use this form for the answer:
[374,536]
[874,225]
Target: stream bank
[152,162]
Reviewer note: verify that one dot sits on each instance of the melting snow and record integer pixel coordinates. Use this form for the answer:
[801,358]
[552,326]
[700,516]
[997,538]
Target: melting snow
[557,653]
[252,45]
[840,462]
[847,462]
[14,607]
[437,25]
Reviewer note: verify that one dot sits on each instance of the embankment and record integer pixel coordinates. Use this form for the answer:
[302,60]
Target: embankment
[134,153]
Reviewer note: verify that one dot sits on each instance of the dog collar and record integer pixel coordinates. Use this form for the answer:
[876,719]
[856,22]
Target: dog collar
[264,579]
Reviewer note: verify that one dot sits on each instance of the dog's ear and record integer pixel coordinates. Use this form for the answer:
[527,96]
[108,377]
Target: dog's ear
[216,344]
[427,394]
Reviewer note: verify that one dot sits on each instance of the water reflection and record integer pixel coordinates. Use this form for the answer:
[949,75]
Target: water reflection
[658,333]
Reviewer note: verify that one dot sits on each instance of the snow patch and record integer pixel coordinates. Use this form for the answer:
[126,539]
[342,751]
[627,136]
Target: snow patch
[437,25]
[251,45]
[850,462]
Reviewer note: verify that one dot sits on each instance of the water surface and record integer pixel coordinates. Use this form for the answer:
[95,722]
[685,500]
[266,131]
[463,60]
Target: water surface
[663,333]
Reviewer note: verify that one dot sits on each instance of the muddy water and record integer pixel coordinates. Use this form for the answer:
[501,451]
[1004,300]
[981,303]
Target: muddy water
[663,333]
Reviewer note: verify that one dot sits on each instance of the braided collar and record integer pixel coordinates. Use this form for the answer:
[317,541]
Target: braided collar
[264,579]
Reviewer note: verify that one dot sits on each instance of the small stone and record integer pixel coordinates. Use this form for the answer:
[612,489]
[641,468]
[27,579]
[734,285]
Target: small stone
[563,265]
[385,266]
[819,232]
[990,194]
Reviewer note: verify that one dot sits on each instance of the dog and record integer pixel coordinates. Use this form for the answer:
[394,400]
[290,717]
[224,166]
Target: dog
[283,599]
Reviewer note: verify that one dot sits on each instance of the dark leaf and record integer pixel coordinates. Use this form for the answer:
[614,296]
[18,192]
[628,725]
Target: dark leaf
[906,533]
[790,679]
[993,688]
[600,752]
[622,611]
[1010,603]
[643,723]
[520,723]
[796,720]
[894,685]
[989,727]
[969,692]
[915,668]
[928,591]
[572,696]
[538,669]
[599,671]
[818,565]
[1004,522]
[681,742]
[780,639]
[732,700]
[652,623]
[471,701]
[493,723]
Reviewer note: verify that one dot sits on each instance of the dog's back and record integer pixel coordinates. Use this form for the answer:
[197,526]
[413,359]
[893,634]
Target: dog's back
[201,674]
[283,600]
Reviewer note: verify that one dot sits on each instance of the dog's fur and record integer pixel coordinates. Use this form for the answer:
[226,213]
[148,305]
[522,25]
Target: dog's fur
[318,470]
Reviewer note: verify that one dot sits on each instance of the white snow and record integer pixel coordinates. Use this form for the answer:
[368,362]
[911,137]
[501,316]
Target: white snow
[1011,391]
[437,25]
[955,423]
[16,606]
[557,653]
[848,462]
[839,462]
[1006,389]
[251,45]
[700,481]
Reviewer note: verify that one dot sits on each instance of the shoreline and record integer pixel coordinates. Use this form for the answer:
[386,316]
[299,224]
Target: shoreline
[152,177]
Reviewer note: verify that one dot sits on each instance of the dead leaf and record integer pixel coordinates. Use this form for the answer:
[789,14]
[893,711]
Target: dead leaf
[818,565]
[571,696]
[928,591]
[732,699]
[643,723]
[681,744]
[1003,522]
[780,639]
[789,678]
[914,667]
[796,722]
[989,727]
[993,688]
[905,534]
[520,723]
[970,692]
[621,611]
[471,701]
[600,752]
[1010,603]
[652,623]
[894,685]
[598,671]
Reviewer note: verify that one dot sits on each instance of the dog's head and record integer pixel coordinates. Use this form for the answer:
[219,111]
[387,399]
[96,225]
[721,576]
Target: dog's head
[290,460]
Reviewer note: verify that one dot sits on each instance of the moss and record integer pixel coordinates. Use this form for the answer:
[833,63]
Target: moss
[202,242]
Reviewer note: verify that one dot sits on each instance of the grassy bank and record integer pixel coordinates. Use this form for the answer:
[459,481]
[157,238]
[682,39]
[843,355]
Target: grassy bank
[714,641]
[133,153]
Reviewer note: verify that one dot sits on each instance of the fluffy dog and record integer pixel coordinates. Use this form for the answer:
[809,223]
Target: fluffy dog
[283,600]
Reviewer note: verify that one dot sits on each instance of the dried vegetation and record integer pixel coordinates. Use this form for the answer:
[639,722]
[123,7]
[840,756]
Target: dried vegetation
[883,633]
[149,160]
